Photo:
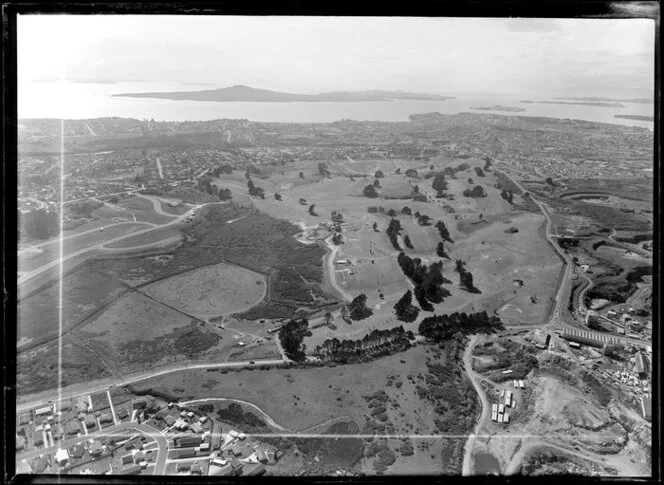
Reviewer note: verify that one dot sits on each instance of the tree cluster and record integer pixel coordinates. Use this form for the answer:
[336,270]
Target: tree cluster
[337,216]
[406,241]
[277,196]
[507,195]
[404,308]
[440,251]
[476,192]
[312,210]
[393,231]
[204,185]
[357,309]
[291,336]
[370,191]
[379,174]
[465,277]
[225,194]
[39,224]
[423,219]
[378,342]
[479,171]
[487,163]
[439,185]
[255,191]
[442,327]
[222,169]
[442,230]
[322,169]
[428,280]
[411,172]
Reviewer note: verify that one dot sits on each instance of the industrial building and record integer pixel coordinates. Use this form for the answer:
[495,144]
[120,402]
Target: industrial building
[588,338]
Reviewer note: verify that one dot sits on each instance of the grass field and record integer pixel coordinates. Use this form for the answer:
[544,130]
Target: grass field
[300,398]
[212,290]
[84,292]
[159,234]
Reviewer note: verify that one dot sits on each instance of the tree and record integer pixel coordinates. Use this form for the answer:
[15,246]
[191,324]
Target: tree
[302,175]
[393,231]
[550,181]
[379,174]
[439,184]
[420,296]
[277,196]
[370,191]
[479,171]
[311,210]
[329,318]
[405,310]
[302,201]
[375,227]
[406,241]
[337,239]
[392,213]
[376,183]
[225,194]
[255,191]
[337,216]
[424,220]
[407,210]
[440,250]
[358,309]
[470,180]
[397,171]
[476,192]
[291,336]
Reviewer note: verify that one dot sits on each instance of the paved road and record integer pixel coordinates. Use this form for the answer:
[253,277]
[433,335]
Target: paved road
[156,204]
[330,268]
[270,421]
[467,468]
[52,264]
[148,375]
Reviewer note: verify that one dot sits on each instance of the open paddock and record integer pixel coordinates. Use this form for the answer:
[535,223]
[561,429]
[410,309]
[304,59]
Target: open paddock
[214,290]
[296,398]
[163,234]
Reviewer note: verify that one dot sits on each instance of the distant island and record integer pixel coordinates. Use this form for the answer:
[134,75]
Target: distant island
[496,107]
[527,101]
[636,117]
[624,100]
[581,103]
[248,94]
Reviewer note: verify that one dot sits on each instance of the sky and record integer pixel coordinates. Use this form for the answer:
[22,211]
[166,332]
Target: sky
[584,57]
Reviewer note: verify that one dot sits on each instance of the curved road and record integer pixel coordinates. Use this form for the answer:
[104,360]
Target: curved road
[330,268]
[270,421]
[148,375]
[484,402]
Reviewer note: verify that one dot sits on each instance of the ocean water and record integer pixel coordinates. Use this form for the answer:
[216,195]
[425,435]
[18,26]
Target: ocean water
[92,100]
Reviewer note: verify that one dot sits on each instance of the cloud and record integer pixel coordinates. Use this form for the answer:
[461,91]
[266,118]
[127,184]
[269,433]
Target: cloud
[536,26]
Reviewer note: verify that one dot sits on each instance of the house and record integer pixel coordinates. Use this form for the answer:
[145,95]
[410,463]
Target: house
[508,371]
[185,441]
[72,427]
[139,457]
[62,457]
[506,418]
[23,418]
[139,403]
[641,368]
[170,420]
[132,470]
[196,469]
[521,384]
[196,428]
[90,422]
[220,462]
[122,413]
[126,459]
[106,418]
[646,408]
[43,411]
[260,454]
[96,449]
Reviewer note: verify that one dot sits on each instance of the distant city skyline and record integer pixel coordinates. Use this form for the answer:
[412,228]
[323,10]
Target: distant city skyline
[567,57]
